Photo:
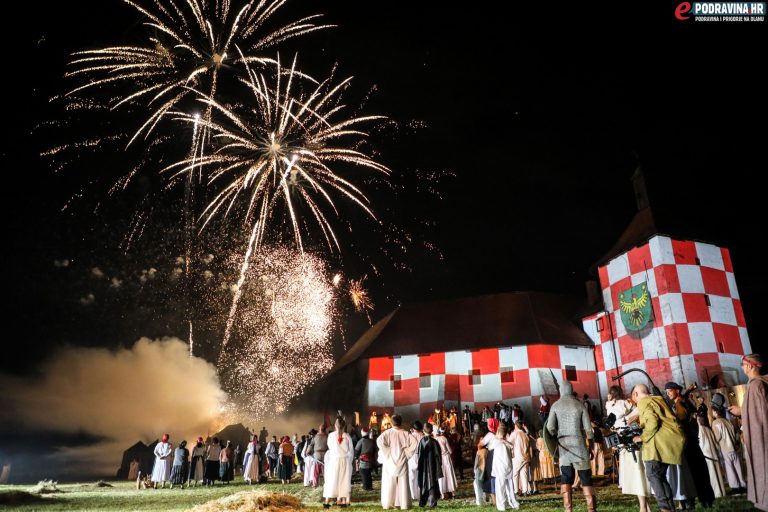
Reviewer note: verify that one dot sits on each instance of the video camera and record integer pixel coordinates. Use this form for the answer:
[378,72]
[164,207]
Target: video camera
[622,437]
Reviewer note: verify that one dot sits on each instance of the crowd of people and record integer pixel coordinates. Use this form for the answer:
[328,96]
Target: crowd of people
[680,455]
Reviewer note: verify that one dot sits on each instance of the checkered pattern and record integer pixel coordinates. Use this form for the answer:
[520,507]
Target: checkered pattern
[476,378]
[698,329]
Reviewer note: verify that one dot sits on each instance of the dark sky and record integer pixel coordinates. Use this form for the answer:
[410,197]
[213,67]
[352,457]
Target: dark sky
[541,114]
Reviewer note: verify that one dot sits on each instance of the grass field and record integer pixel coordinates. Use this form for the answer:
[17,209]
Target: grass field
[123,496]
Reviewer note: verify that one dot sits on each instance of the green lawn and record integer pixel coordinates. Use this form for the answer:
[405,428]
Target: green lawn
[124,497]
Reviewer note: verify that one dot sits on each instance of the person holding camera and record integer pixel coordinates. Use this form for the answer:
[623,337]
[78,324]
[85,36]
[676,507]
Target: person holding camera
[754,418]
[663,442]
[569,420]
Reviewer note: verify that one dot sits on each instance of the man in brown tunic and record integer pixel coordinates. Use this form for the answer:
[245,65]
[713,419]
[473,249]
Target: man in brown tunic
[754,418]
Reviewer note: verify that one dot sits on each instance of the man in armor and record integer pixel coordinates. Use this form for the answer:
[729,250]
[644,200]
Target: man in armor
[569,423]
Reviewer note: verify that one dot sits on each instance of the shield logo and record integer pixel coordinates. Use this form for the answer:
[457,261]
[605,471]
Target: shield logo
[635,307]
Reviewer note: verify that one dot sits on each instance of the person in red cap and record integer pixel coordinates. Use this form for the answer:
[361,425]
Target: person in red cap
[754,420]
[161,472]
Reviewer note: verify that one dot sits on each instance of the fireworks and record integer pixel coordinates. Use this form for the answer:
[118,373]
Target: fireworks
[283,331]
[359,296]
[282,154]
[186,45]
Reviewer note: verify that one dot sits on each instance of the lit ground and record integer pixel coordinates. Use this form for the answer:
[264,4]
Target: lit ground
[124,497]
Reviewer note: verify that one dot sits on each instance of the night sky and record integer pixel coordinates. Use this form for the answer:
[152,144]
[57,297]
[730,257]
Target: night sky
[541,116]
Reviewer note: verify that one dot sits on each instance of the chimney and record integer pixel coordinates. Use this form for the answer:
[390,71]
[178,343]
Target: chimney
[593,292]
[641,193]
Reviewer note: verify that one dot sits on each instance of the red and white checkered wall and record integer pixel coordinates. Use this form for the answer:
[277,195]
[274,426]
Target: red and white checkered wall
[413,385]
[697,331]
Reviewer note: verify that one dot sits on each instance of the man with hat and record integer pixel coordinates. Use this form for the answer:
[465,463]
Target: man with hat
[728,444]
[695,463]
[754,420]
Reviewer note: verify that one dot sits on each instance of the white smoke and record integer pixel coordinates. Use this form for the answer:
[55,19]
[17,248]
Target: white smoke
[124,396]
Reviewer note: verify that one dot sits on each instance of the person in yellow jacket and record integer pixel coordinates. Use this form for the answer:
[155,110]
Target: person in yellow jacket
[663,442]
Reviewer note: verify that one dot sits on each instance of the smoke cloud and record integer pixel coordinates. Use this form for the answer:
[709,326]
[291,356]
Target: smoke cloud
[107,400]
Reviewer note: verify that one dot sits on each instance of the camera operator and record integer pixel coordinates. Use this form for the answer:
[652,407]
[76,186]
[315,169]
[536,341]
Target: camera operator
[663,442]
[570,421]
[632,479]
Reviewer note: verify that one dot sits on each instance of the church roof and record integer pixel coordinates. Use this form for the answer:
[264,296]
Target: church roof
[499,320]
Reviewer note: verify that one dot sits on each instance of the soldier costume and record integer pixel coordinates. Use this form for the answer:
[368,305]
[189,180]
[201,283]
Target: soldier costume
[569,422]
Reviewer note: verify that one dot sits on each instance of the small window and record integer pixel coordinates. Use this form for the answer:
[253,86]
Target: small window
[599,324]
[425,380]
[507,374]
[720,347]
[396,383]
[706,300]
[474,377]
[570,373]
[698,261]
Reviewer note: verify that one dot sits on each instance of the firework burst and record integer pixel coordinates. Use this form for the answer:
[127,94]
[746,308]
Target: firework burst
[282,153]
[360,297]
[186,44]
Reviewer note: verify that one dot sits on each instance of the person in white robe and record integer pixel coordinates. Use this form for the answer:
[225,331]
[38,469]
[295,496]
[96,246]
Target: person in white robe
[396,446]
[413,462]
[708,445]
[161,472]
[448,481]
[197,464]
[309,459]
[251,461]
[502,470]
[337,481]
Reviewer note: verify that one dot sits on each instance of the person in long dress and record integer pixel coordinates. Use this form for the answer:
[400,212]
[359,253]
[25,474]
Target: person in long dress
[197,465]
[227,463]
[708,446]
[520,459]
[212,462]
[546,462]
[180,468]
[133,469]
[754,416]
[161,472]
[337,482]
[448,481]
[503,470]
[251,461]
[396,446]
[309,460]
[285,460]
[429,468]
[413,462]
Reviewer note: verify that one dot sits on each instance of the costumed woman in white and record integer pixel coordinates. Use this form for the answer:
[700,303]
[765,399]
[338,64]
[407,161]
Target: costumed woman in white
[161,472]
[503,470]
[251,461]
[337,482]
[448,481]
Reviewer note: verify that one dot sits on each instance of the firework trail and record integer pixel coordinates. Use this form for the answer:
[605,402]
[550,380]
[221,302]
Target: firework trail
[281,155]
